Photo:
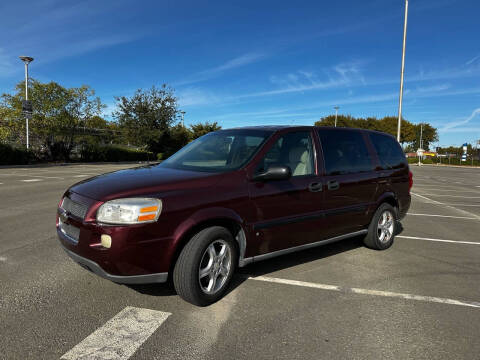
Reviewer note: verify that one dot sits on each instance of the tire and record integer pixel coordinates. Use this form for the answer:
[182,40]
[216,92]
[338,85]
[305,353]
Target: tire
[381,231]
[201,261]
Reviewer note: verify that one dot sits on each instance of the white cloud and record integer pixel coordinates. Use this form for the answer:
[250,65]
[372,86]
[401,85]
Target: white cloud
[6,66]
[243,60]
[344,74]
[455,124]
[434,88]
[471,61]
[195,96]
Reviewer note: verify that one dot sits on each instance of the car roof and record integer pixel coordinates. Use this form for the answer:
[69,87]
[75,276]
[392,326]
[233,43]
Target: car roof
[275,128]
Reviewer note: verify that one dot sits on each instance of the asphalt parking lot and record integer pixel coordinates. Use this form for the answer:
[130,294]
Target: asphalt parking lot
[418,300]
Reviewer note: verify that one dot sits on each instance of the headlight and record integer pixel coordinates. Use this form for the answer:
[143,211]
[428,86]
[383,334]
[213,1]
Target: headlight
[129,211]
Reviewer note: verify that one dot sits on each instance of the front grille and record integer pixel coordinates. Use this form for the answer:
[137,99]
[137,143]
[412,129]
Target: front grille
[72,232]
[74,208]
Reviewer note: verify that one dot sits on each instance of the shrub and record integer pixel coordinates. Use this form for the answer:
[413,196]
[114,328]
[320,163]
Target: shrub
[15,156]
[112,153]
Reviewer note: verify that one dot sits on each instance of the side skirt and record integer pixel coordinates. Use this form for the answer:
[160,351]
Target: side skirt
[252,259]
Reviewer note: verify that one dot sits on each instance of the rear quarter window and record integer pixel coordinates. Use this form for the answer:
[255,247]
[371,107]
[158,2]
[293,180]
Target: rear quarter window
[389,152]
[344,152]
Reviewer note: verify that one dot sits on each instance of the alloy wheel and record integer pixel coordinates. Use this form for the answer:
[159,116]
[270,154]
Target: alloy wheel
[215,267]
[385,226]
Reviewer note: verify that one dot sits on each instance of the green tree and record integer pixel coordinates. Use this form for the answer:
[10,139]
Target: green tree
[429,135]
[201,129]
[388,124]
[58,113]
[146,117]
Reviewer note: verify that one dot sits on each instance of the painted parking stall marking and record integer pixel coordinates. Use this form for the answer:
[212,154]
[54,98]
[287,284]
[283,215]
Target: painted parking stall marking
[454,196]
[120,337]
[443,216]
[31,180]
[350,290]
[438,240]
[450,206]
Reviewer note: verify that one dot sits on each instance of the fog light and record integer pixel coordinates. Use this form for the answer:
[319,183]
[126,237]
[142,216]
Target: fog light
[106,241]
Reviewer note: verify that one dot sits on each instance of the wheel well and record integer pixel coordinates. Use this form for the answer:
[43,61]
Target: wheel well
[392,201]
[231,225]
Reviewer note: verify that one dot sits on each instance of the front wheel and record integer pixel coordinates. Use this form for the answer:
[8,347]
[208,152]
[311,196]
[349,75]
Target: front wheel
[381,231]
[205,266]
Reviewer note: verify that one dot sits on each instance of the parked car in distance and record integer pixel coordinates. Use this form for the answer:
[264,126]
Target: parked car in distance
[235,197]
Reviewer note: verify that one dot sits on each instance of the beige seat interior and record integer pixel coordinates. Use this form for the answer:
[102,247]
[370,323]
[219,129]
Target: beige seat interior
[299,161]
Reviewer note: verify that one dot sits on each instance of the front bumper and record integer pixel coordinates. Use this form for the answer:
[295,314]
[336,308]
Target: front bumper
[131,279]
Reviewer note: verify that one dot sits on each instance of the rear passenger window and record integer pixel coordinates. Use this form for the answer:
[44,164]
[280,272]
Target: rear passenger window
[389,152]
[344,151]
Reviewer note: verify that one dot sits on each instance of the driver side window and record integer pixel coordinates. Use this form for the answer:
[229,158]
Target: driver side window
[294,150]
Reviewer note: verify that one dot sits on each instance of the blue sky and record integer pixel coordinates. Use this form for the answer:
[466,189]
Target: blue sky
[259,62]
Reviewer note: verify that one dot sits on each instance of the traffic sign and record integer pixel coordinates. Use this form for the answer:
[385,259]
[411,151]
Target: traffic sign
[27,106]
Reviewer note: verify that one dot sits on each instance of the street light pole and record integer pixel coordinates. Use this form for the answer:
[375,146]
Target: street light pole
[26,60]
[402,72]
[336,114]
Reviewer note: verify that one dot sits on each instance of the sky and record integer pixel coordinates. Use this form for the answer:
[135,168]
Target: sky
[259,62]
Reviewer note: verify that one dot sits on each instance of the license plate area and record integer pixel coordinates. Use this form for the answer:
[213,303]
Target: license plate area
[71,232]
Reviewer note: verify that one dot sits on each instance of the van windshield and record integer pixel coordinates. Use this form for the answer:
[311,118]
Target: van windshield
[219,151]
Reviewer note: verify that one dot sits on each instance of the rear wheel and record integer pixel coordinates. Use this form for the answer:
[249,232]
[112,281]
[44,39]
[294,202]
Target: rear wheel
[205,266]
[381,231]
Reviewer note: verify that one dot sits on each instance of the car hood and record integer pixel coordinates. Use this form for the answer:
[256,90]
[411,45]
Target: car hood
[143,180]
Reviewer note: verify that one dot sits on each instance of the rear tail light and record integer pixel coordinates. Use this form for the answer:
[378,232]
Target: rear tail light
[410,180]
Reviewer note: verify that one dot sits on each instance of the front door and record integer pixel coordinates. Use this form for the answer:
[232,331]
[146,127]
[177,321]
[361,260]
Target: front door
[288,212]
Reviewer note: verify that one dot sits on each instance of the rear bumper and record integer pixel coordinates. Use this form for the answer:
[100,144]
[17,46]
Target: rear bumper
[131,279]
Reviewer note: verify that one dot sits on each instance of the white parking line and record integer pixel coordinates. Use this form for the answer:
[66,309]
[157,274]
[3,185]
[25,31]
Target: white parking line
[455,196]
[452,190]
[438,240]
[444,216]
[81,175]
[430,185]
[427,199]
[349,290]
[31,180]
[461,204]
[120,337]
[431,201]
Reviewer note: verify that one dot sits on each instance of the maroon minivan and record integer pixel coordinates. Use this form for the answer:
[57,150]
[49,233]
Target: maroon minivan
[234,197]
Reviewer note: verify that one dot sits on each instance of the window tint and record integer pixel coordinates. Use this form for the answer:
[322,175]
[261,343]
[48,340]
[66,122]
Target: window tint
[389,152]
[344,151]
[294,150]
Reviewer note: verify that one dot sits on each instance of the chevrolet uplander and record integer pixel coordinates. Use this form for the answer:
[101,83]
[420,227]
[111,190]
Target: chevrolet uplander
[235,197]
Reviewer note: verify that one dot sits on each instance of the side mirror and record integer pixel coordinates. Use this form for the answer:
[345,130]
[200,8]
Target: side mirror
[274,173]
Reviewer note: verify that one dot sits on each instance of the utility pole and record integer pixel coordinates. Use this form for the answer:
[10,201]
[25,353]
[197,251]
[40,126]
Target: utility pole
[421,136]
[402,72]
[336,114]
[26,106]
[183,115]
[420,155]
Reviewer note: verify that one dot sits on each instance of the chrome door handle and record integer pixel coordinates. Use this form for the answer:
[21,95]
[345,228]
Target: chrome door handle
[333,185]
[315,187]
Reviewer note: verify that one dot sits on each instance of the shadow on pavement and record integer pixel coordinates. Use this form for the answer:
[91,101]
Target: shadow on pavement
[269,266]
[297,258]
